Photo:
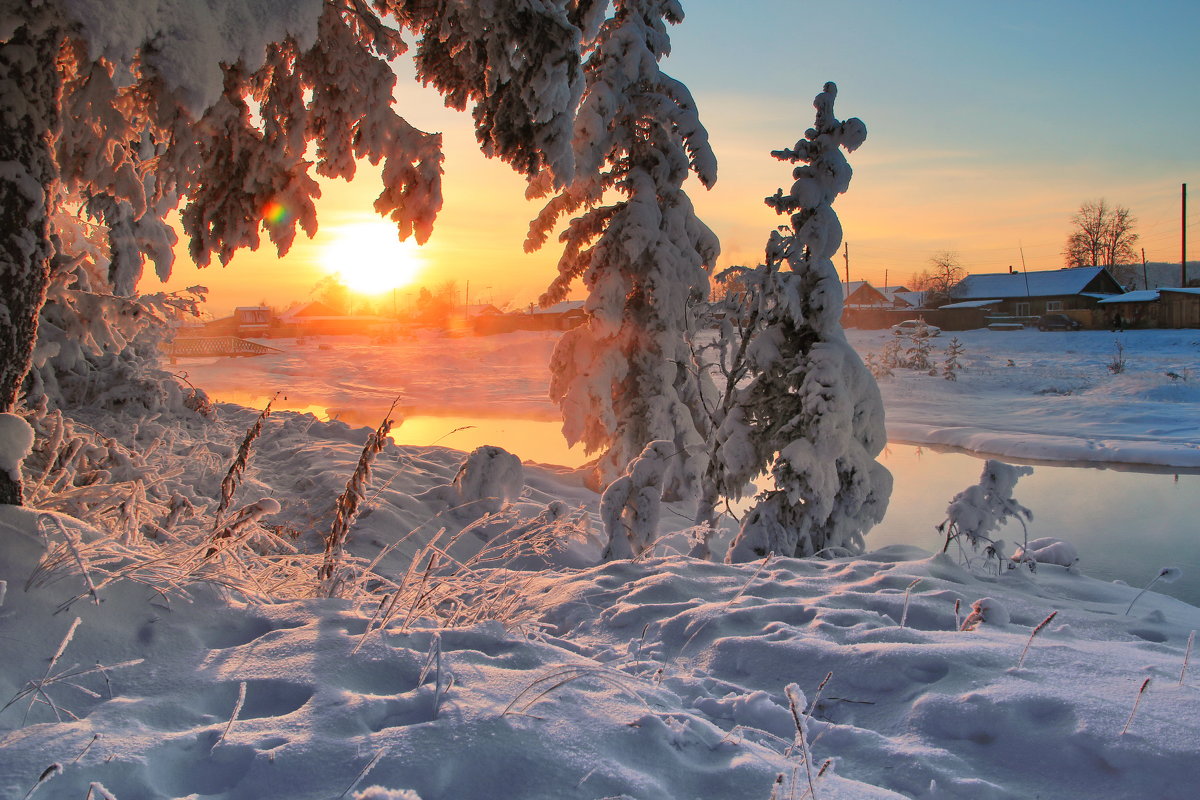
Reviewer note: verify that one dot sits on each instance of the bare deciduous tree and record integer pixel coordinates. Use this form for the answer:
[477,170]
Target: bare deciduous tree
[1101,236]
[944,272]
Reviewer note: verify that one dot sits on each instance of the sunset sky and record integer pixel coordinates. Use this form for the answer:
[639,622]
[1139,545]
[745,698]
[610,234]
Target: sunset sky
[988,125]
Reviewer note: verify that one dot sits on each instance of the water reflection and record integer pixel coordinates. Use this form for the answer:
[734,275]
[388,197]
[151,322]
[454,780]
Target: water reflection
[1126,524]
[530,439]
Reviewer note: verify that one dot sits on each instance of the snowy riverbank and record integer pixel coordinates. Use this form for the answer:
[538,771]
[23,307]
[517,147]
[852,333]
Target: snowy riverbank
[1056,401]
[655,680]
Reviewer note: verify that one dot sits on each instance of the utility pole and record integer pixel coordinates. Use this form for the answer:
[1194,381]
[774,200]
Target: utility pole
[1145,277]
[846,255]
[1025,270]
[1183,238]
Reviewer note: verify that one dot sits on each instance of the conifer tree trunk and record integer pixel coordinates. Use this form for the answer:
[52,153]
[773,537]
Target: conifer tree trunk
[29,89]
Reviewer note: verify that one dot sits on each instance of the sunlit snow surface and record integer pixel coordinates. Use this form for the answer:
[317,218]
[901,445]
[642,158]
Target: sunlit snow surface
[677,667]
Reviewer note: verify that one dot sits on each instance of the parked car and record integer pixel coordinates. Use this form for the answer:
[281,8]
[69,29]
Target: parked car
[914,327]
[1057,322]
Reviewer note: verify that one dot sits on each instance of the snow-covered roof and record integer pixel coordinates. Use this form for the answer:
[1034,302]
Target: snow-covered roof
[559,308]
[1177,290]
[1140,296]
[1025,284]
[914,299]
[971,304]
[313,309]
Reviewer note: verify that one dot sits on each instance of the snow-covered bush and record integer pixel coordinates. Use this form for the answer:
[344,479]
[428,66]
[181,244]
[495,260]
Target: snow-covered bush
[878,366]
[1046,550]
[978,511]
[489,478]
[798,400]
[98,343]
[16,442]
[626,377]
[1116,364]
[916,357]
[951,366]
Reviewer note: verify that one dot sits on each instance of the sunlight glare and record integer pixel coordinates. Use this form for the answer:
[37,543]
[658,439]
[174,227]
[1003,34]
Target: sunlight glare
[370,259]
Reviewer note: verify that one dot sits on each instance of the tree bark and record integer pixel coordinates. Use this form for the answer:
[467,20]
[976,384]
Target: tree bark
[29,96]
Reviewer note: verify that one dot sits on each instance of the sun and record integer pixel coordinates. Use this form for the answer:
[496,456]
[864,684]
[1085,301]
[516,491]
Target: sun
[369,258]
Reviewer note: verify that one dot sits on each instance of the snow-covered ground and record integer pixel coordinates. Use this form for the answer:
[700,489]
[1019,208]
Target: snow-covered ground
[1052,396]
[664,678]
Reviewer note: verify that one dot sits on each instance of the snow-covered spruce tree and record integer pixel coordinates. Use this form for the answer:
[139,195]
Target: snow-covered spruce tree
[135,106]
[626,376]
[810,409]
[631,504]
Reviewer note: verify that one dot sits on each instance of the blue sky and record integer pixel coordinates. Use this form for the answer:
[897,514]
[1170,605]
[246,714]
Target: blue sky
[989,122]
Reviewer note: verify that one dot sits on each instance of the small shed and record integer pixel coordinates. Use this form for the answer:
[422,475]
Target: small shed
[1180,308]
[1164,307]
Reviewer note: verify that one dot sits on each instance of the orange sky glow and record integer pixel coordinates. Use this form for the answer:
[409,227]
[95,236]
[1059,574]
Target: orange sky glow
[971,148]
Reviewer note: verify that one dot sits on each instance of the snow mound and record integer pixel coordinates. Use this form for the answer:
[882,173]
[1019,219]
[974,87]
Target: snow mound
[664,678]
[16,442]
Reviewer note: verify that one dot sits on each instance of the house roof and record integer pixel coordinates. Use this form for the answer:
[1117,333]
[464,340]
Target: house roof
[560,308]
[1006,285]
[867,295]
[971,304]
[1140,296]
[314,309]
[914,299]
[1146,295]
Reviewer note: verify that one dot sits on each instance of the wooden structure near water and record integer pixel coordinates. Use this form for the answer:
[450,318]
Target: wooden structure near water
[215,347]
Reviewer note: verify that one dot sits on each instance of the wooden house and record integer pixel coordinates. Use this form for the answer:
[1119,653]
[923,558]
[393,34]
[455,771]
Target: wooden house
[1031,294]
[861,294]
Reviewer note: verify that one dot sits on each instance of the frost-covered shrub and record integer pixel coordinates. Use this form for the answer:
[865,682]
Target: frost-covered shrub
[878,365]
[1116,364]
[380,793]
[978,511]
[16,442]
[916,357]
[98,347]
[951,365]
[488,478]
[798,399]
[1047,550]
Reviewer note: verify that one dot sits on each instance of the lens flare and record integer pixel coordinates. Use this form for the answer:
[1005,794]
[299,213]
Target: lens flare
[276,213]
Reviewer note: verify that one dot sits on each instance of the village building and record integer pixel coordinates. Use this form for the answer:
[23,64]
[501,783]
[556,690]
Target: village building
[1165,307]
[1031,294]
[861,294]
